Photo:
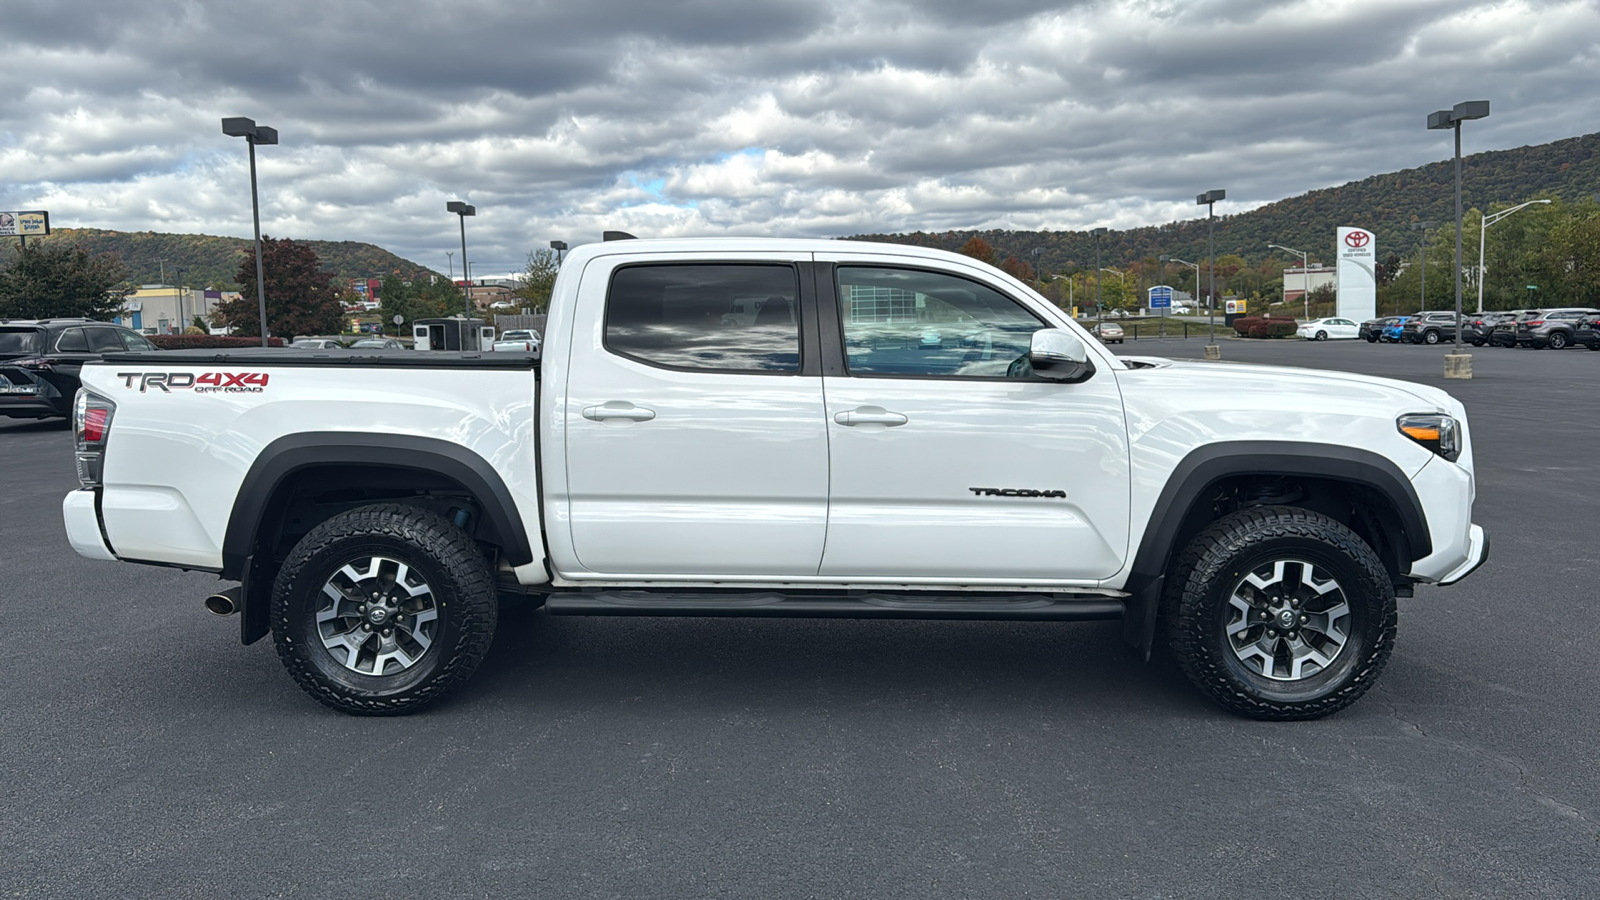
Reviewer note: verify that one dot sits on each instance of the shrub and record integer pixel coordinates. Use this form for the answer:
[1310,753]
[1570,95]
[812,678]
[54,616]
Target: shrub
[207,341]
[1272,328]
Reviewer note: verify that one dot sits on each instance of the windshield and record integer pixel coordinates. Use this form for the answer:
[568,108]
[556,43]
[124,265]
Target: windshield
[18,341]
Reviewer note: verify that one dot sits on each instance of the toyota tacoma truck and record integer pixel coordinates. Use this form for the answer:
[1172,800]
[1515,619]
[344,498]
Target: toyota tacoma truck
[809,428]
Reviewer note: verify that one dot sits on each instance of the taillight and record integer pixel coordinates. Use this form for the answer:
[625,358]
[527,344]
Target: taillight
[1534,324]
[91,424]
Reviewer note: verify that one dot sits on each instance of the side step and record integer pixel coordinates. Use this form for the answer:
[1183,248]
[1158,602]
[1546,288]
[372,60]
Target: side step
[1024,607]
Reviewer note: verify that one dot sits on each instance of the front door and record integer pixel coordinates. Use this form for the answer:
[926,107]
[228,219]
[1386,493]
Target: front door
[949,459]
[695,441]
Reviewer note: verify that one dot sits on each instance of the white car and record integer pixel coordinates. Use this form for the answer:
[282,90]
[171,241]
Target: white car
[518,340]
[1331,329]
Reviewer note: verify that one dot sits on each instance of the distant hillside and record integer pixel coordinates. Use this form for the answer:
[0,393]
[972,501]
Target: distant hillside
[1387,204]
[209,260]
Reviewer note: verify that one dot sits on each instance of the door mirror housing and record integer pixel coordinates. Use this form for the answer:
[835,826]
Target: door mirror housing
[1058,354]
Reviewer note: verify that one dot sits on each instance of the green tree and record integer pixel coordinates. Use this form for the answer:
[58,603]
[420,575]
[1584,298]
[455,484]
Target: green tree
[301,295]
[1572,257]
[419,299]
[539,279]
[61,280]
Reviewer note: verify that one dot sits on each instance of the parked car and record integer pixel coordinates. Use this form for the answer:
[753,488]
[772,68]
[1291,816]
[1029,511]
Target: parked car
[370,511]
[1553,328]
[1391,333]
[518,340]
[1504,333]
[1475,329]
[40,360]
[1334,329]
[1428,328]
[377,344]
[1372,329]
[1108,332]
[1588,332]
[315,344]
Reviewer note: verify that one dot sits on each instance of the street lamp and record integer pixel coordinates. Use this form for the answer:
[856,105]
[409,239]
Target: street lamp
[560,247]
[1482,233]
[254,134]
[1209,201]
[462,210]
[1099,307]
[1424,227]
[1452,119]
[1305,276]
[1196,268]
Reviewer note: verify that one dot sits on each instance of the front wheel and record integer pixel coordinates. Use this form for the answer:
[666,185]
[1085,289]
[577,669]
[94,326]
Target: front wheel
[1280,613]
[383,609]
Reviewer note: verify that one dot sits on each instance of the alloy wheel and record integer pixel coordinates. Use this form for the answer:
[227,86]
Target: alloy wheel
[1288,620]
[377,616]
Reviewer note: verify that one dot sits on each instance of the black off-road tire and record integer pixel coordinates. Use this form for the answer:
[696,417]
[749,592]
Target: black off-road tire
[1196,611]
[462,593]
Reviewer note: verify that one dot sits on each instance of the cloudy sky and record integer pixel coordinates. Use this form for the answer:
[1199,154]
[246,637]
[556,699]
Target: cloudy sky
[767,117]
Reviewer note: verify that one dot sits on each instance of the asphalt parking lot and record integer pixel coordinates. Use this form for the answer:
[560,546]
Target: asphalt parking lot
[143,752]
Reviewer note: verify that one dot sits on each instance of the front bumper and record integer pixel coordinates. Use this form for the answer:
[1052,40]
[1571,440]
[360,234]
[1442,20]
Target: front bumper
[1477,555]
[83,525]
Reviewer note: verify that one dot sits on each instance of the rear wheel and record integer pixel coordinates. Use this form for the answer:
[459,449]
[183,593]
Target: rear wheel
[1322,335]
[1431,337]
[1280,613]
[1557,340]
[383,609]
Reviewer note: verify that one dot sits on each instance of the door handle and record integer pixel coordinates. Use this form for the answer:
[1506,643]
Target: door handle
[618,409]
[870,415]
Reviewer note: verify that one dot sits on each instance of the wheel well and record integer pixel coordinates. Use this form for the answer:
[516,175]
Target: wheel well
[311,495]
[1371,514]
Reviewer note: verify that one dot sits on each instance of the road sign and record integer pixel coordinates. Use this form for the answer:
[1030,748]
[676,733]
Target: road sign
[1161,297]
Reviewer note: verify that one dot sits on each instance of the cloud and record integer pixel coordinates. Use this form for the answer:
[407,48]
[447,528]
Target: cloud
[559,120]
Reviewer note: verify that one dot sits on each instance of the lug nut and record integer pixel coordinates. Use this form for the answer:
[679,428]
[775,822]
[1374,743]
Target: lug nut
[1271,633]
[386,632]
[366,627]
[363,608]
[1304,619]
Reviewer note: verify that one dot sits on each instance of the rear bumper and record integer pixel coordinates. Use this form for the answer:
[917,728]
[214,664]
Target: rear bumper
[29,406]
[83,525]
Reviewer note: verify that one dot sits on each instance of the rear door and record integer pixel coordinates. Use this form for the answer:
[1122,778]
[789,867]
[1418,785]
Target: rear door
[694,435]
[950,461]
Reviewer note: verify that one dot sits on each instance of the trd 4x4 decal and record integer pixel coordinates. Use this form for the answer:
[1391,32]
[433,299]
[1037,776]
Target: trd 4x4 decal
[204,383]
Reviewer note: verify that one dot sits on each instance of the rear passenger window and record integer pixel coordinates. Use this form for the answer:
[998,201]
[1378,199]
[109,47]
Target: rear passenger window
[104,340]
[72,341]
[719,317]
[134,342]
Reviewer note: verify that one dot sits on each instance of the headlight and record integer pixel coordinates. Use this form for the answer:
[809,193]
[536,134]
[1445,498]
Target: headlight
[1439,433]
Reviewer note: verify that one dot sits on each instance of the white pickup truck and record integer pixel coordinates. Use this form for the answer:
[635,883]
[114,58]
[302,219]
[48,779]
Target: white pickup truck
[885,432]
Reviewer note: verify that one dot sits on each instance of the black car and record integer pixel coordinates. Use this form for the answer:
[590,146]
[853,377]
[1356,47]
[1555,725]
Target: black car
[40,360]
[1372,329]
[1476,328]
[1504,333]
[1588,332]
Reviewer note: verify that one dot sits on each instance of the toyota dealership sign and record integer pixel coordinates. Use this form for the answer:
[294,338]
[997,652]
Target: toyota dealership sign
[1357,274]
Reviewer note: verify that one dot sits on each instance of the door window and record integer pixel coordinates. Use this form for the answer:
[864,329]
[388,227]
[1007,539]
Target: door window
[721,317]
[104,340]
[909,322]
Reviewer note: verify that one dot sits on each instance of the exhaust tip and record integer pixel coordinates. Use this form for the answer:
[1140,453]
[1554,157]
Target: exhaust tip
[224,603]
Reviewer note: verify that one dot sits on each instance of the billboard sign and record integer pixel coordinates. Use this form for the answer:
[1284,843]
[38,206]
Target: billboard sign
[1357,273]
[28,223]
[1161,297]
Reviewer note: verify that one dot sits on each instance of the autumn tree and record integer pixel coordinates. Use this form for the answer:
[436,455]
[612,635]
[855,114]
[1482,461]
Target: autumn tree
[539,279]
[979,249]
[47,280]
[301,296]
[1017,269]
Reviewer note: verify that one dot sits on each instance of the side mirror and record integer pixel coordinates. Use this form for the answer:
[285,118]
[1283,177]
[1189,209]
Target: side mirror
[1058,355]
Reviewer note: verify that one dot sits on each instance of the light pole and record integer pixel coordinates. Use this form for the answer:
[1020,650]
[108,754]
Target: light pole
[1209,201]
[450,263]
[1483,230]
[1099,307]
[1305,276]
[1191,265]
[1424,227]
[1461,366]
[254,134]
[560,247]
[462,210]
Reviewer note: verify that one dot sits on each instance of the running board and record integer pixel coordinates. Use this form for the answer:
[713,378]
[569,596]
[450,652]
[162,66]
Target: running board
[1024,607]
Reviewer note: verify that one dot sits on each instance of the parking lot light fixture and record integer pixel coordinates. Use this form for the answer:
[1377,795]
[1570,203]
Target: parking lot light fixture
[462,210]
[1209,201]
[560,247]
[1305,275]
[1483,230]
[1452,119]
[253,134]
[1099,307]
